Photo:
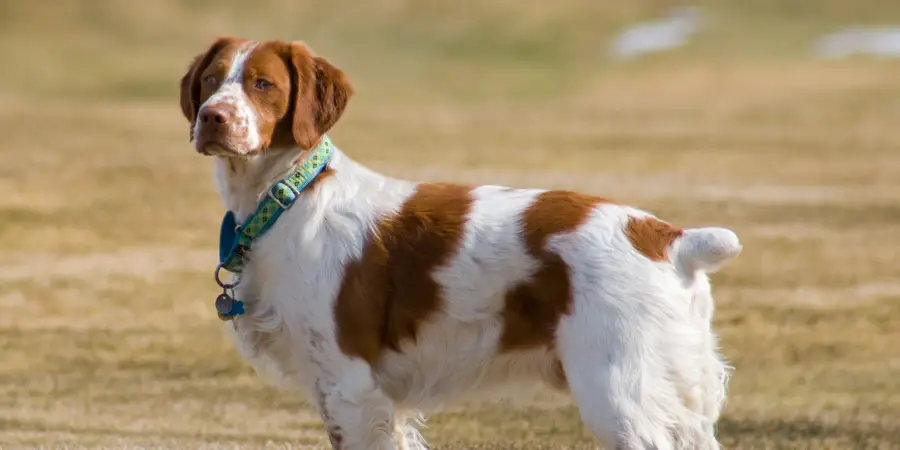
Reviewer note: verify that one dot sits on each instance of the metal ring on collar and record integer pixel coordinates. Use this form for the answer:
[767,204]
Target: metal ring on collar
[221,283]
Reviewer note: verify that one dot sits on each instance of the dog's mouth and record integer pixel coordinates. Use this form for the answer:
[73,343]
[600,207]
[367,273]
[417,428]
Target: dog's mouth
[216,148]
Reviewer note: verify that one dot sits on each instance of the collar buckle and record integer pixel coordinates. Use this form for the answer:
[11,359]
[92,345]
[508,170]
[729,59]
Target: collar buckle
[270,194]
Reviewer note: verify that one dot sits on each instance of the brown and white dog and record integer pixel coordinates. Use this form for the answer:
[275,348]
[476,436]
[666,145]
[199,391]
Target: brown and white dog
[380,297]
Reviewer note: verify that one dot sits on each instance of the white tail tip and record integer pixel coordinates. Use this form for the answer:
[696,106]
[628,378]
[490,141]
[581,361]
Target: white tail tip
[706,249]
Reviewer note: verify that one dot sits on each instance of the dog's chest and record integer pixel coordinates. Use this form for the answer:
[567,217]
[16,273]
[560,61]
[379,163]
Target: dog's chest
[289,286]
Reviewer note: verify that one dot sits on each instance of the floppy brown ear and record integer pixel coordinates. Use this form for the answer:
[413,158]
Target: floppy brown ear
[187,103]
[190,82]
[322,93]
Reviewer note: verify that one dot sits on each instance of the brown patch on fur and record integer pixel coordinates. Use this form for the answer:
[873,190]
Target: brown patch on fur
[307,98]
[390,290]
[269,62]
[534,307]
[652,237]
[320,95]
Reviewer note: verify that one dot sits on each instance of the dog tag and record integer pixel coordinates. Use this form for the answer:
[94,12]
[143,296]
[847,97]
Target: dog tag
[224,303]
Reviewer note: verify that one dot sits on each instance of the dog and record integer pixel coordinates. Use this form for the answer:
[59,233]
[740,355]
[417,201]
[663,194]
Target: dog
[379,298]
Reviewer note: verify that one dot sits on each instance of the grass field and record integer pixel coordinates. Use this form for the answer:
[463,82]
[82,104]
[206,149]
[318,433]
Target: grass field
[108,219]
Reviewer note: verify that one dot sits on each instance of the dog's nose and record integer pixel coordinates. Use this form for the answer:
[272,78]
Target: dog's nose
[215,116]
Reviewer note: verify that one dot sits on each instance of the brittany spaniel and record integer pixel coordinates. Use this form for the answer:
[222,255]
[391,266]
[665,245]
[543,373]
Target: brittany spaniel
[379,298]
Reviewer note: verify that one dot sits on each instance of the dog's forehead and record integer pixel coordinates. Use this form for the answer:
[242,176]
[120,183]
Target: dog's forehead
[265,59]
[226,57]
[238,59]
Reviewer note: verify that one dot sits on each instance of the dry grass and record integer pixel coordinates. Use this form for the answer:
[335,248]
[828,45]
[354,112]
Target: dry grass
[108,219]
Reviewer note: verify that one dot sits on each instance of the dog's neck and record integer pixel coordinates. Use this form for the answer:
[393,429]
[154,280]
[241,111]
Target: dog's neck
[242,181]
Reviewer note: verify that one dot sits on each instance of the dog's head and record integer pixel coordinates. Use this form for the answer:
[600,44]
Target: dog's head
[243,96]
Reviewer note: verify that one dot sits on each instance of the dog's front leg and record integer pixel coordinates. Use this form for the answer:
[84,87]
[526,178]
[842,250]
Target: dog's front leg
[357,413]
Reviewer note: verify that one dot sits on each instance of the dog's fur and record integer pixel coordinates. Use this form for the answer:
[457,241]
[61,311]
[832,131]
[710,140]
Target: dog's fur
[380,297]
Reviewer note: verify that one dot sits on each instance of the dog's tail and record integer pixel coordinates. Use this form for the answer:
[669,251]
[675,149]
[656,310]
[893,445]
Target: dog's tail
[705,249]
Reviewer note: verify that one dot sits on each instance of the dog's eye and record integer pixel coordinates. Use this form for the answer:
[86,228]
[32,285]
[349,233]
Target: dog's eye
[262,84]
[210,80]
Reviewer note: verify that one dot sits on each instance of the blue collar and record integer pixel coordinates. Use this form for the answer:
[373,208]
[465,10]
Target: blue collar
[235,240]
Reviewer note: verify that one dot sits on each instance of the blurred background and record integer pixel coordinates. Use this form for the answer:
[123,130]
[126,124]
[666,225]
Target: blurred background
[779,119]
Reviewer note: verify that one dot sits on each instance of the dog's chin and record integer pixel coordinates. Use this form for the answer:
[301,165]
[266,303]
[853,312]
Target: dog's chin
[214,148]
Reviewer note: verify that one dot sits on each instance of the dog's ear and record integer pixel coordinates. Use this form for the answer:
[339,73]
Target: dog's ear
[190,82]
[320,93]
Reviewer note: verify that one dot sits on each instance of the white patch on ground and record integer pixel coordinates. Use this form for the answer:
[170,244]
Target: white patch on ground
[878,42]
[658,36]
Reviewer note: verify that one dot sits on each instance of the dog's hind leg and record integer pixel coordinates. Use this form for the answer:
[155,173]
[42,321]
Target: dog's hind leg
[605,379]
[609,392]
[609,346]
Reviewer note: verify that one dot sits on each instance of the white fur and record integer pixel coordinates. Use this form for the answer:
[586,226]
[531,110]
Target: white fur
[637,350]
